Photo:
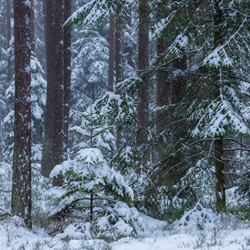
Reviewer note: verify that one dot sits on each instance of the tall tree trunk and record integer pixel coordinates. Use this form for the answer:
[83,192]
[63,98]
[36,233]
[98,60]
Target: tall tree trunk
[218,144]
[47,159]
[8,36]
[33,34]
[143,64]
[58,137]
[163,98]
[163,84]
[21,187]
[111,54]
[67,73]
[45,28]
[118,67]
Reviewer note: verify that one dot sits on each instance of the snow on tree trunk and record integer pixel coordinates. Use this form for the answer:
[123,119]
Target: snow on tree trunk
[21,187]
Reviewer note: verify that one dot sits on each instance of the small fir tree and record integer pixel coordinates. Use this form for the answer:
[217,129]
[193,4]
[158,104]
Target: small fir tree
[92,186]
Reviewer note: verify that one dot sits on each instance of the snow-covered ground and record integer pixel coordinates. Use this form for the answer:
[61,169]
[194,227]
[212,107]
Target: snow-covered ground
[199,228]
[228,234]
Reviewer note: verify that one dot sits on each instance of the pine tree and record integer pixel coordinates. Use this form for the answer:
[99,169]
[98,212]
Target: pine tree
[89,178]
[217,69]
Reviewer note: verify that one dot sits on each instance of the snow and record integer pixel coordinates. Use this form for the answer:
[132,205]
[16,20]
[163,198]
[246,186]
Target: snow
[153,235]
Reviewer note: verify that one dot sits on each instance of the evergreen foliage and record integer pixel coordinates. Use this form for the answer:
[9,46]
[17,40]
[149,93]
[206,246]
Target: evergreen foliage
[89,178]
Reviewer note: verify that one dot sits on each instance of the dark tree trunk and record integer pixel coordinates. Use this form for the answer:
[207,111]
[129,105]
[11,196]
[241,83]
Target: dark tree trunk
[67,73]
[163,85]
[8,37]
[163,98]
[179,83]
[47,159]
[21,187]
[33,34]
[111,54]
[45,27]
[58,137]
[119,69]
[218,144]
[143,64]
[220,178]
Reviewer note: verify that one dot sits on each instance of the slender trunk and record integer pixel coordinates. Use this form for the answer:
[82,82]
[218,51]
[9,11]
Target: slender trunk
[218,144]
[47,159]
[21,187]
[8,37]
[143,64]
[58,137]
[119,71]
[33,34]
[45,28]
[111,54]
[67,73]
[220,178]
[91,207]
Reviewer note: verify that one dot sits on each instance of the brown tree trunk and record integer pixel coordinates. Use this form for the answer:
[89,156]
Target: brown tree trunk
[33,34]
[143,64]
[218,144]
[47,159]
[163,98]
[111,54]
[118,68]
[220,178]
[67,73]
[21,187]
[58,137]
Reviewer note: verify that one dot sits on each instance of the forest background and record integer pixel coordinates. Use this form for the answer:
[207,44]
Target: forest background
[159,90]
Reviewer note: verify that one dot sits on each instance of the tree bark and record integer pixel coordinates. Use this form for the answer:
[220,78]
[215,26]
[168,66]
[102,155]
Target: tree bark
[163,98]
[111,54]
[67,74]
[21,187]
[33,34]
[143,64]
[58,137]
[218,144]
[47,159]
[45,27]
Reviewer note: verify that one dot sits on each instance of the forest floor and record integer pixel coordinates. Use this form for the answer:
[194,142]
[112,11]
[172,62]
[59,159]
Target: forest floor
[156,235]
[199,228]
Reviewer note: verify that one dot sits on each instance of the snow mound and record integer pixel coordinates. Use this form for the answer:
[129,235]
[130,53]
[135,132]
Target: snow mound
[198,218]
